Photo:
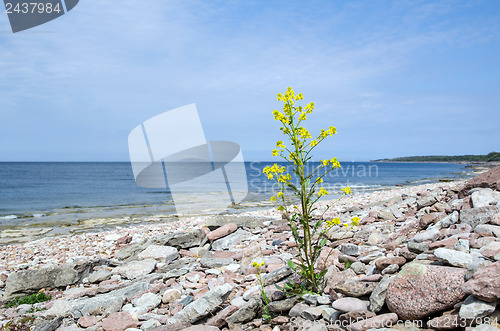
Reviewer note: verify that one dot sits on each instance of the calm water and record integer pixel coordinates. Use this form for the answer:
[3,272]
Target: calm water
[67,194]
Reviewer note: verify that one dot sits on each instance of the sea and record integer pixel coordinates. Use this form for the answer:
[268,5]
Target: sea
[74,197]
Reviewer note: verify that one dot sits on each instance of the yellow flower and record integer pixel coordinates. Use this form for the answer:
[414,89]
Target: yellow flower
[335,163]
[319,180]
[303,117]
[325,162]
[355,221]
[273,198]
[280,194]
[314,143]
[275,152]
[303,133]
[255,264]
[336,221]
[322,192]
[346,225]
[269,176]
[266,170]
[280,208]
[346,190]
[280,144]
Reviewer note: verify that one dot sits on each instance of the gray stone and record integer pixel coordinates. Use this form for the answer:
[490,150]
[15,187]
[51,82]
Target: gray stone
[358,268]
[474,308]
[447,221]
[312,313]
[150,324]
[159,253]
[282,306]
[204,306]
[228,242]
[462,246]
[371,256]
[179,267]
[356,288]
[426,201]
[109,302]
[416,247]
[55,276]
[391,269]
[476,216]
[483,197]
[453,257]
[386,214]
[350,249]
[276,275]
[182,239]
[99,275]
[209,262]
[246,313]
[146,302]
[136,269]
[475,266]
[311,299]
[377,298]
[346,305]
[493,230]
[48,325]
[297,310]
[432,234]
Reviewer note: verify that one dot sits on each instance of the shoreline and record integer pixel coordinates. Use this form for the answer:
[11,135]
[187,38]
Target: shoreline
[90,245]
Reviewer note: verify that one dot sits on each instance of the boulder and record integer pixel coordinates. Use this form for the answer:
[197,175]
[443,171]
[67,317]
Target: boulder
[476,216]
[473,308]
[485,284]
[30,281]
[483,197]
[420,290]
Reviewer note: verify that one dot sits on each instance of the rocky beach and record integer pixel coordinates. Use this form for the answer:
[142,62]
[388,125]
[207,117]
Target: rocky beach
[423,257]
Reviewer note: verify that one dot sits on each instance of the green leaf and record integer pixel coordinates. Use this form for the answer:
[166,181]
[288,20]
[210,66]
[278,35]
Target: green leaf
[292,265]
[308,181]
[322,242]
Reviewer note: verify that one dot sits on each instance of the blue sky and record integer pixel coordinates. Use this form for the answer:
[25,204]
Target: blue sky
[396,78]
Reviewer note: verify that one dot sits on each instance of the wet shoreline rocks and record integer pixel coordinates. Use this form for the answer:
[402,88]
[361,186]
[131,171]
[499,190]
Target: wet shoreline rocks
[425,254]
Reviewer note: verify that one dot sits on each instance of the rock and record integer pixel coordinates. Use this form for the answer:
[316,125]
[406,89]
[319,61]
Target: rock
[231,240]
[146,302]
[159,253]
[200,328]
[488,229]
[311,299]
[453,257]
[312,313]
[99,276]
[171,295]
[416,247]
[392,269]
[46,326]
[386,214]
[491,249]
[276,275]
[387,261]
[282,306]
[350,249]
[219,320]
[30,281]
[380,321]
[488,179]
[110,302]
[426,201]
[421,290]
[485,284]
[372,256]
[356,288]
[483,197]
[210,262]
[87,321]
[476,216]
[251,254]
[150,324]
[203,306]
[432,234]
[136,269]
[449,321]
[358,268]
[377,298]
[447,221]
[118,322]
[473,308]
[462,246]
[124,240]
[182,239]
[297,310]
[221,232]
[246,313]
[349,305]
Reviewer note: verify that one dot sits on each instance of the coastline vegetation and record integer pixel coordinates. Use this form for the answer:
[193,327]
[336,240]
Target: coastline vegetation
[491,157]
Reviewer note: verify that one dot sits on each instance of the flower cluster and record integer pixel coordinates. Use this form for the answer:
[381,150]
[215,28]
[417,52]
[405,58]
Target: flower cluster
[336,221]
[275,170]
[333,162]
[257,264]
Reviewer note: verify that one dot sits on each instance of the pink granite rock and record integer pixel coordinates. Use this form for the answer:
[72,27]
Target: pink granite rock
[421,290]
[223,231]
[377,322]
[118,322]
[485,284]
[87,321]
